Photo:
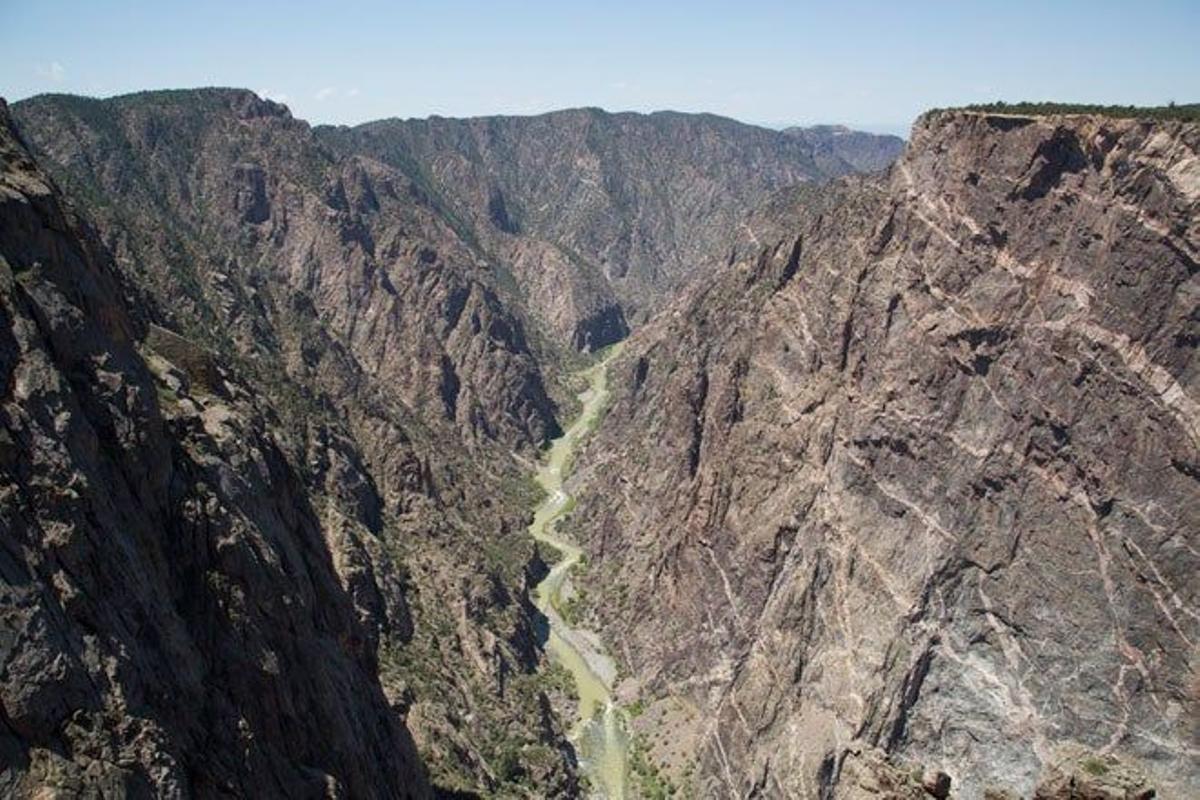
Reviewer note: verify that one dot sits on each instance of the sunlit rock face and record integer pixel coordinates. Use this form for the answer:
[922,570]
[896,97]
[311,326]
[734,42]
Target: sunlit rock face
[919,470]
[603,217]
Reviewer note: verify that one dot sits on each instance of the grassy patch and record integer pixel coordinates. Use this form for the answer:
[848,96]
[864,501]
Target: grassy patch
[574,610]
[555,678]
[167,399]
[652,784]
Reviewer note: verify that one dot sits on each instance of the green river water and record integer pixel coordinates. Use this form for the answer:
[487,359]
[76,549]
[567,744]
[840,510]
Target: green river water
[599,735]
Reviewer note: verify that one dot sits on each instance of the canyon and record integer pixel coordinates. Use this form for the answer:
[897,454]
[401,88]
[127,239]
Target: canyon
[915,475]
[322,474]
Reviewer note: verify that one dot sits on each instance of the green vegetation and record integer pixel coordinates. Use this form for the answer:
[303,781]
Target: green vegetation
[555,678]
[574,609]
[1094,766]
[593,424]
[423,670]
[506,764]
[1189,112]
[604,352]
[167,398]
[650,779]
[522,492]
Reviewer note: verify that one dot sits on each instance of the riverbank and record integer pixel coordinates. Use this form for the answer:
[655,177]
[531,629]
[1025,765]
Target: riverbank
[600,734]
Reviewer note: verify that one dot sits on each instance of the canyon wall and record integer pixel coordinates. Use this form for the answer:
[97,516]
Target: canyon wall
[917,474]
[174,623]
[601,218]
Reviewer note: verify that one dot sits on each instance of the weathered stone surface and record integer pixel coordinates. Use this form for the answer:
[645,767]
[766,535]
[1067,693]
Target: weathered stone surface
[918,471]
[1075,773]
[401,389]
[936,783]
[172,623]
[868,774]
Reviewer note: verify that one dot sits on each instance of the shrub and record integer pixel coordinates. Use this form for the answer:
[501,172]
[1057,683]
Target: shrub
[1189,112]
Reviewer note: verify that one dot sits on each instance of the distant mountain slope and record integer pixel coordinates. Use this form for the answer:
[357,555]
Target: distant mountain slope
[919,473]
[862,152]
[224,205]
[601,217]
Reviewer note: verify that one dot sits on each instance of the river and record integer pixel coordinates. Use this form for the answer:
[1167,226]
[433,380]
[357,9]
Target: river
[599,735]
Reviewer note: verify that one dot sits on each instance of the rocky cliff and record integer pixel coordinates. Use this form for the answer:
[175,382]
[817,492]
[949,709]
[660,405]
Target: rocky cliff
[394,303]
[901,500]
[174,623]
[224,203]
[600,217]
[383,361]
[917,475]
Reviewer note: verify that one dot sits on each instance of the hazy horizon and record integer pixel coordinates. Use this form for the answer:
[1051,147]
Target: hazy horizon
[870,67]
[901,130]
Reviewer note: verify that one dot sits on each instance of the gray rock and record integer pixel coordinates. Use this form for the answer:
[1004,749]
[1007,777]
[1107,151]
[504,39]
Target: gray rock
[170,625]
[601,218]
[918,470]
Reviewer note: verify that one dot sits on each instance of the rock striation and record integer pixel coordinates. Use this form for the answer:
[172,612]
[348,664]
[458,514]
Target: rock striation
[917,473]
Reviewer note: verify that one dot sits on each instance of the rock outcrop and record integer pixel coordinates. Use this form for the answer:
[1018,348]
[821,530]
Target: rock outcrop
[918,471]
[841,150]
[172,619]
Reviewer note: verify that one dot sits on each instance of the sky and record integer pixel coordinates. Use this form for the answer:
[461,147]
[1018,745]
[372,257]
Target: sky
[870,65]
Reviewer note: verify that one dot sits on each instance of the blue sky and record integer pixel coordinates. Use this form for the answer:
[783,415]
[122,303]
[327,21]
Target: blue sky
[873,65]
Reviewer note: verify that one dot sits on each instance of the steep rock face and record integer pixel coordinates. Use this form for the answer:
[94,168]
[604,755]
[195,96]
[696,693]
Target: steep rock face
[236,196]
[172,622]
[920,473]
[386,363]
[601,217]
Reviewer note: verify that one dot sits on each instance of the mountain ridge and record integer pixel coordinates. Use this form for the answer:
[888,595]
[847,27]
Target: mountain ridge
[601,216]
